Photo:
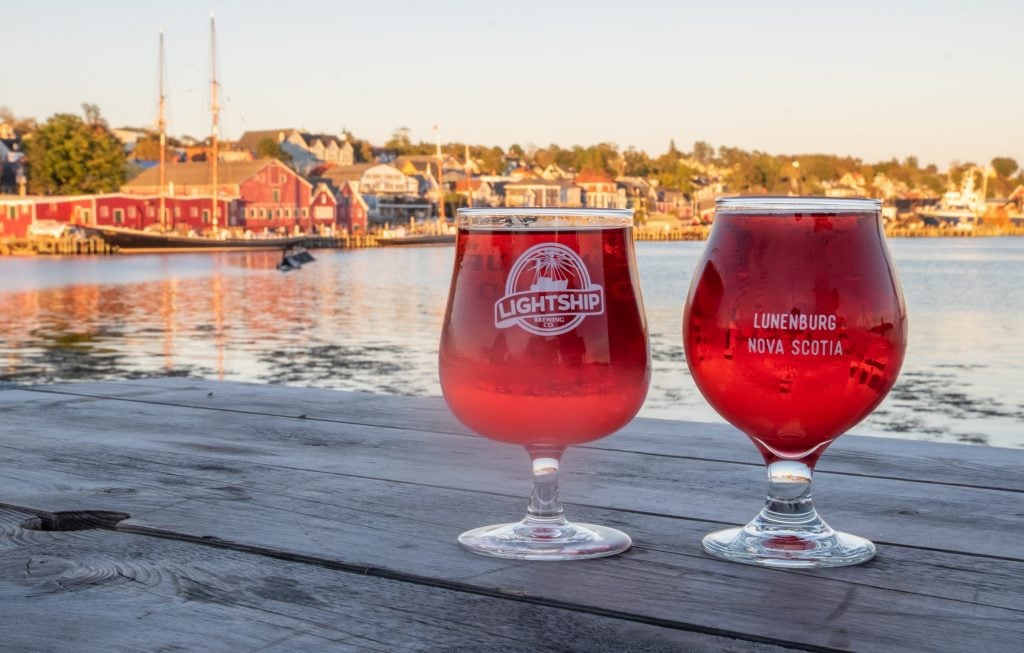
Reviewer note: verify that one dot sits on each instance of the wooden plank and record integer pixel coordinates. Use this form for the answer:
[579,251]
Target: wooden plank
[878,508]
[109,591]
[957,602]
[942,463]
[407,526]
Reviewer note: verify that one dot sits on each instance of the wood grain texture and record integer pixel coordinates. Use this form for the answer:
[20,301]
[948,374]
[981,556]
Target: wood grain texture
[106,591]
[941,463]
[376,485]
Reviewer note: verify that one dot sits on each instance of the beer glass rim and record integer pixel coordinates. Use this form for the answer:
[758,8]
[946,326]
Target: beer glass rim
[762,204]
[540,218]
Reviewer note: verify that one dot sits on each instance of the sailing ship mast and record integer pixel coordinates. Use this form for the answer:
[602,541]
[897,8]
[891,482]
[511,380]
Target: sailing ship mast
[162,126]
[215,108]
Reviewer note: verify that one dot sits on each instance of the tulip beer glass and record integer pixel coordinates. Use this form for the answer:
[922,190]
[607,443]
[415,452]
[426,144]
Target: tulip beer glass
[794,331]
[544,344]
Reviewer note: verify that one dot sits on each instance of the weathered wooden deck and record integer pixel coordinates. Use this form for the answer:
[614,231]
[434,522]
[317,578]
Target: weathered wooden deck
[268,518]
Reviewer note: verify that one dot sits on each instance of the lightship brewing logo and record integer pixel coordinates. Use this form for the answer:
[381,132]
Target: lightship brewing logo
[548,292]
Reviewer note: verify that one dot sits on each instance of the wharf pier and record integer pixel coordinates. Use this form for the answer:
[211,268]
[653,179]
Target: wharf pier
[185,514]
[60,246]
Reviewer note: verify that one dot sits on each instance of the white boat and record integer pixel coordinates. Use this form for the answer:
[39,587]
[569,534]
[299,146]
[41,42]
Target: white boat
[960,209]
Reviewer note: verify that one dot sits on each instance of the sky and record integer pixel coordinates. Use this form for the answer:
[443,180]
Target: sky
[943,81]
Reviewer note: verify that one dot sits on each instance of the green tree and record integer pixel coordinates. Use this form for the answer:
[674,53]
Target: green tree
[362,150]
[679,178]
[399,143]
[268,148]
[1004,166]
[637,163]
[703,152]
[493,160]
[147,148]
[68,155]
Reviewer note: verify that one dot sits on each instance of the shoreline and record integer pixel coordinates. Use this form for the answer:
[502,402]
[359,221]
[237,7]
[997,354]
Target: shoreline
[655,233]
[47,246]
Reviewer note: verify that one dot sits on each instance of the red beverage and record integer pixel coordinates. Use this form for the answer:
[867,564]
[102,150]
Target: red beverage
[795,327]
[545,339]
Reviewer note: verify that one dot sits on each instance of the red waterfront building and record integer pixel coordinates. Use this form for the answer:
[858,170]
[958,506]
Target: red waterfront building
[323,210]
[353,211]
[266,194]
[16,214]
[251,195]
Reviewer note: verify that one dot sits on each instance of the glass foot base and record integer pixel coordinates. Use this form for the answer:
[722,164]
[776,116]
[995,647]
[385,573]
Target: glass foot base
[771,545]
[539,540]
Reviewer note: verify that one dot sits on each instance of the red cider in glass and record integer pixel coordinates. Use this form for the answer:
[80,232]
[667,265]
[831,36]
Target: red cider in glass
[544,344]
[523,386]
[794,330]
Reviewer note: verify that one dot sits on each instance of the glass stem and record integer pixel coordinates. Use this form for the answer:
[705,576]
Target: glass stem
[789,494]
[545,505]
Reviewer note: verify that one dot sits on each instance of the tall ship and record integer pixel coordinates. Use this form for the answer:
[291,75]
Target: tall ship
[165,236]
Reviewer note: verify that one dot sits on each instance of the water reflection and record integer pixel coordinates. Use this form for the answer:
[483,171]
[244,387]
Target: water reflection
[369,320]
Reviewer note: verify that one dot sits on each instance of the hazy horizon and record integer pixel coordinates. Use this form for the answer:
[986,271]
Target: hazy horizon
[939,81]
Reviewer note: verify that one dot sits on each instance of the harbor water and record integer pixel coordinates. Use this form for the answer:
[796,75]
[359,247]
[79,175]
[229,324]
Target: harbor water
[369,320]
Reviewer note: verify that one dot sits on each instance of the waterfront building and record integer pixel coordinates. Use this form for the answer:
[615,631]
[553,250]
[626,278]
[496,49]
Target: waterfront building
[672,202]
[131,211]
[543,193]
[12,172]
[478,192]
[270,195]
[16,214]
[600,190]
[639,193]
[353,211]
[390,195]
[323,210]
[306,149]
[554,171]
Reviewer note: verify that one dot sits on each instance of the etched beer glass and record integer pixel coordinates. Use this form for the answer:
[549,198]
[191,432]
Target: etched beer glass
[794,330]
[544,345]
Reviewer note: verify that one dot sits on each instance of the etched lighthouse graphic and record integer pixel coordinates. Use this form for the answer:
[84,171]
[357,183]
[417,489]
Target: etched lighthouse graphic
[548,292]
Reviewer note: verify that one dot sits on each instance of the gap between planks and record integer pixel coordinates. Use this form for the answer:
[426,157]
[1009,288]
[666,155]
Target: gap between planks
[460,434]
[427,581]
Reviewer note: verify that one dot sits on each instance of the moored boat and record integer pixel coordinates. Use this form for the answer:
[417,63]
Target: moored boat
[961,209]
[139,241]
[417,239]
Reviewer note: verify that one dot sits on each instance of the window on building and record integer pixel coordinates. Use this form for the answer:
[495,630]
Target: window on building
[150,211]
[104,211]
[305,212]
[11,212]
[206,216]
[194,212]
[277,196]
[252,213]
[118,216]
[131,211]
[177,211]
